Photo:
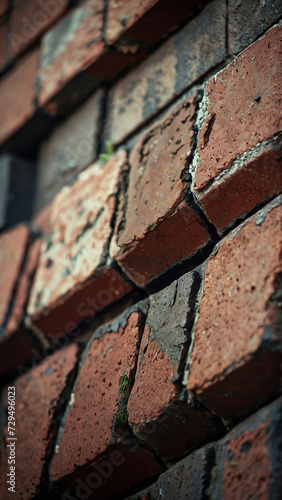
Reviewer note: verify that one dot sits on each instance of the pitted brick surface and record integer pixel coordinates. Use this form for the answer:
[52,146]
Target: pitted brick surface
[253,446]
[243,103]
[73,263]
[97,401]
[239,318]
[254,181]
[160,229]
[37,395]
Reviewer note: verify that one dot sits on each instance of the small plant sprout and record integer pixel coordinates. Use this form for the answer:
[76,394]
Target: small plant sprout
[104,157]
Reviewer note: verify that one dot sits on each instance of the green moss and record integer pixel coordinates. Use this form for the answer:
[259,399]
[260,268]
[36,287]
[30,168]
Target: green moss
[104,157]
[122,414]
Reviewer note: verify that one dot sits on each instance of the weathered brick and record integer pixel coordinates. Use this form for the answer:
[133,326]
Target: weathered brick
[254,446]
[241,109]
[175,66]
[104,456]
[31,18]
[70,148]
[254,178]
[16,275]
[247,20]
[17,95]
[147,21]
[160,229]
[17,181]
[37,398]
[187,479]
[74,59]
[236,358]
[75,278]
[157,403]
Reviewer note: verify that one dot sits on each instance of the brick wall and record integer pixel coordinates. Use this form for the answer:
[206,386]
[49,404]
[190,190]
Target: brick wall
[140,250]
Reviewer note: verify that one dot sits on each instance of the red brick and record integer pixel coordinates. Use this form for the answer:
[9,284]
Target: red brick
[97,412]
[23,287]
[15,288]
[157,403]
[251,182]
[13,244]
[30,19]
[71,147]
[81,59]
[17,90]
[160,229]
[37,398]
[247,20]
[253,446]
[171,69]
[237,353]
[73,44]
[241,108]
[147,21]
[75,278]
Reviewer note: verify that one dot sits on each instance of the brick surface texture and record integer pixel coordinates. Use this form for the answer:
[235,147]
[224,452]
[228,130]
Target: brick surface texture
[74,255]
[230,377]
[152,225]
[140,250]
[37,395]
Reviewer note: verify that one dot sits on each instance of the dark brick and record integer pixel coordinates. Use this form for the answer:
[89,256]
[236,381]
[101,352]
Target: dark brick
[3,45]
[70,148]
[188,479]
[157,403]
[175,66]
[247,20]
[3,7]
[236,358]
[17,190]
[103,455]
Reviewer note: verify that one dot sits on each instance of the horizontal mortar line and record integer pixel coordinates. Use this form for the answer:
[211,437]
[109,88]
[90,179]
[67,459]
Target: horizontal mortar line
[239,162]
